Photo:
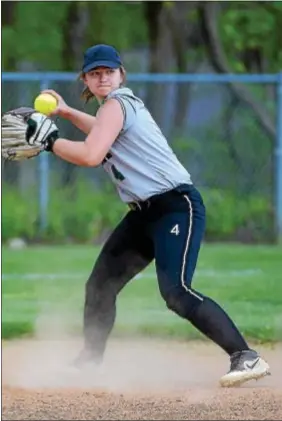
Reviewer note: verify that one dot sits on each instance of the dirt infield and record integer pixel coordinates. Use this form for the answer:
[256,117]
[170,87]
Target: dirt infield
[139,380]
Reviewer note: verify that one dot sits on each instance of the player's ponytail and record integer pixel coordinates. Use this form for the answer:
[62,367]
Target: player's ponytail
[86,94]
[123,73]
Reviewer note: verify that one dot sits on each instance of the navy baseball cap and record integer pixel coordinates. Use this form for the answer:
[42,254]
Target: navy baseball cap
[101,55]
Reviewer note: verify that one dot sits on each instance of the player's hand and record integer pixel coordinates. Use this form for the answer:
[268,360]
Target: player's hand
[41,131]
[62,107]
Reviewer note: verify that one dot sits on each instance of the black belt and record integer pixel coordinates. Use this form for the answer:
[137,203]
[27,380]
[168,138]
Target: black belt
[161,197]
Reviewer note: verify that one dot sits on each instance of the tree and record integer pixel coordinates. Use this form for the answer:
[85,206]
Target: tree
[173,47]
[209,15]
[40,32]
[186,40]
[74,34]
[8,10]
[250,34]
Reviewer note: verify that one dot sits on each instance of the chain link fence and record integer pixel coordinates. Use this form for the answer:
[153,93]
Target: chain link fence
[218,138]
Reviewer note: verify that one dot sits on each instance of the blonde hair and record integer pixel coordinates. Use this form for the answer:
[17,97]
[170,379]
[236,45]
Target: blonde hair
[87,94]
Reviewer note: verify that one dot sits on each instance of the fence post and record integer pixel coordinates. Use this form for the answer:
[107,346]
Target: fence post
[43,181]
[279,161]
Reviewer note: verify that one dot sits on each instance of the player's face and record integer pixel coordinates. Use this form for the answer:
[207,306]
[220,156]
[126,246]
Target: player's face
[103,80]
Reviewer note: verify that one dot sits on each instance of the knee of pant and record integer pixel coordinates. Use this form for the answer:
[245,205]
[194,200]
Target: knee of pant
[98,296]
[181,302]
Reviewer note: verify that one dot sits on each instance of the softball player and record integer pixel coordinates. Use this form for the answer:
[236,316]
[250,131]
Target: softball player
[165,221]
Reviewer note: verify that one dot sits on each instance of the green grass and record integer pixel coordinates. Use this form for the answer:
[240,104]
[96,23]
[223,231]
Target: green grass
[43,287]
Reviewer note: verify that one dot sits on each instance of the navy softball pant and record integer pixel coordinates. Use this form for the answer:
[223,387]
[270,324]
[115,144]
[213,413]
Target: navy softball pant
[168,228]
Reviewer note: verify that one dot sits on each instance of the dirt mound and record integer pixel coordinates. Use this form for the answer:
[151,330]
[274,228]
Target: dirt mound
[139,380]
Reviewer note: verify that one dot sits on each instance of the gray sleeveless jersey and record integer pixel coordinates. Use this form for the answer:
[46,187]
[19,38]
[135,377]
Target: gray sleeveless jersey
[140,162]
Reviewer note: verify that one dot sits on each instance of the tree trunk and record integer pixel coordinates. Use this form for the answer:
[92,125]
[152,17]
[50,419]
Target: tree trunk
[160,57]
[172,35]
[10,170]
[185,38]
[74,34]
[8,11]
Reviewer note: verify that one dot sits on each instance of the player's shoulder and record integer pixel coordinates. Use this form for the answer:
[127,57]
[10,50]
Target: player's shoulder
[121,91]
[124,93]
[129,103]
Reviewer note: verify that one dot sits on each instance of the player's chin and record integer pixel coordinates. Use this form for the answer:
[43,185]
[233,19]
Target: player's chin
[104,90]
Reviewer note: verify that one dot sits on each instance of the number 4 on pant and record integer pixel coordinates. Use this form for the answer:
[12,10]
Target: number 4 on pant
[175,230]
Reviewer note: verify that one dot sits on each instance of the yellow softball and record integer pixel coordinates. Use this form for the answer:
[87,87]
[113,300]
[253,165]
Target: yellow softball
[45,103]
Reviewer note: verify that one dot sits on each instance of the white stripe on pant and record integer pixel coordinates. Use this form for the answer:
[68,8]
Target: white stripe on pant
[184,260]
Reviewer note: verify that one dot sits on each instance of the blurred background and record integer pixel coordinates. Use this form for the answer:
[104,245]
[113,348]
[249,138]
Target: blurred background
[209,73]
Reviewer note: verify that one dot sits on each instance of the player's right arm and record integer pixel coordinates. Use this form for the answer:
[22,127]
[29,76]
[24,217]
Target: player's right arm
[81,120]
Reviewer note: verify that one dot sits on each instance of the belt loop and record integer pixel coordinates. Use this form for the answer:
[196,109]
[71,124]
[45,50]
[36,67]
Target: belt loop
[134,206]
[139,205]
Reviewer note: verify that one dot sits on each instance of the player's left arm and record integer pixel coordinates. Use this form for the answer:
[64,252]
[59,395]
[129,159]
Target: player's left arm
[92,151]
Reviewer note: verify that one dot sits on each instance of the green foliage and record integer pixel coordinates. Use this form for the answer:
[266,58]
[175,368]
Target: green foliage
[36,35]
[252,26]
[75,213]
[83,213]
[231,151]
[19,214]
[121,24]
[229,215]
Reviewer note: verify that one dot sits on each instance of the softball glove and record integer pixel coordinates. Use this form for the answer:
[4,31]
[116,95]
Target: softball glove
[26,133]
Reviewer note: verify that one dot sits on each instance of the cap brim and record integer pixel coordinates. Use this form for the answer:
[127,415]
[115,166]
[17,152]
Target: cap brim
[102,63]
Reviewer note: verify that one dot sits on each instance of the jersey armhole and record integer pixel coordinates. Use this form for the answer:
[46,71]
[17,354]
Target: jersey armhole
[128,110]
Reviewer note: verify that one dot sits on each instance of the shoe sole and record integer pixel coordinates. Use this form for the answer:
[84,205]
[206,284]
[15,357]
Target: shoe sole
[240,377]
